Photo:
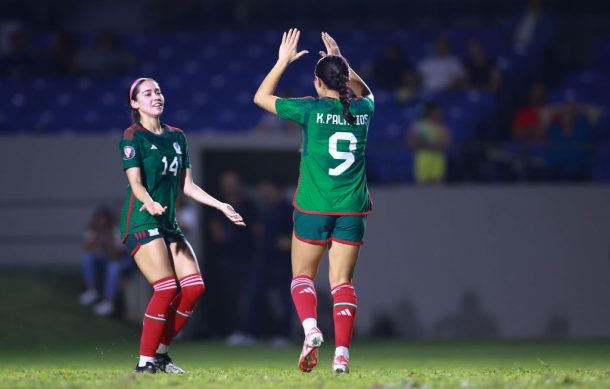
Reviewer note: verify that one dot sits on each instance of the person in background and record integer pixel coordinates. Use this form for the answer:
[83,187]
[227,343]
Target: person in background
[531,120]
[430,138]
[568,142]
[103,255]
[481,72]
[231,264]
[273,272]
[389,69]
[531,29]
[105,58]
[441,71]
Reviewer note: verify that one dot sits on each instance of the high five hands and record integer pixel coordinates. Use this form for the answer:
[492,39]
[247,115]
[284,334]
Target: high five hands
[290,40]
[288,47]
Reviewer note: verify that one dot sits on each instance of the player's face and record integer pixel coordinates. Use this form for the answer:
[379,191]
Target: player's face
[149,100]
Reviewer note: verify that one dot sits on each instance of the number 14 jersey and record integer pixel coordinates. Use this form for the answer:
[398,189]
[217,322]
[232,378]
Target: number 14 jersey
[332,177]
[162,159]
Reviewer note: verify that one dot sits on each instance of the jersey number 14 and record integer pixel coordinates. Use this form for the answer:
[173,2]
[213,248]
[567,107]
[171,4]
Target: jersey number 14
[347,156]
[173,166]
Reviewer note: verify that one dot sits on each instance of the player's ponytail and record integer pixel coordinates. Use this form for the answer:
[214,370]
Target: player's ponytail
[134,89]
[333,70]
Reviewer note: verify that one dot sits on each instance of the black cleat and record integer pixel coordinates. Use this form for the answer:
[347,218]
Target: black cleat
[149,368]
[164,363]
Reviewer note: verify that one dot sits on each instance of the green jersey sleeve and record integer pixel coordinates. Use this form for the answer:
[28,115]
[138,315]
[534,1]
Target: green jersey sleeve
[130,153]
[186,160]
[370,102]
[294,109]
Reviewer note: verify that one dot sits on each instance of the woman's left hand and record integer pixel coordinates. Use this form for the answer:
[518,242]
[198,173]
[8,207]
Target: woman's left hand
[288,48]
[230,213]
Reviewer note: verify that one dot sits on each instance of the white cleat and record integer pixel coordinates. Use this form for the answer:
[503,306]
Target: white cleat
[340,365]
[309,355]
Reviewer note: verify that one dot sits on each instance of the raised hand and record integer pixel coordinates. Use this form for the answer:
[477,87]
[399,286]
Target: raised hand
[331,46]
[154,208]
[232,215]
[288,48]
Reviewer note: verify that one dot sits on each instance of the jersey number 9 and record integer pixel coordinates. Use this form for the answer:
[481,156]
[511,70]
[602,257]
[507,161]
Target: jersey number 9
[347,156]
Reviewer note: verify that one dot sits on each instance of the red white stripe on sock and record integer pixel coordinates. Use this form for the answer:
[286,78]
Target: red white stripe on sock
[304,297]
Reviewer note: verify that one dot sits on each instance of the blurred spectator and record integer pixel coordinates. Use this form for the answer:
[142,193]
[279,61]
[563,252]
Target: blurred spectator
[389,69]
[105,58]
[469,322]
[234,250]
[20,62]
[60,59]
[273,272]
[103,255]
[442,70]
[430,138]
[529,124]
[531,29]
[481,72]
[409,86]
[568,142]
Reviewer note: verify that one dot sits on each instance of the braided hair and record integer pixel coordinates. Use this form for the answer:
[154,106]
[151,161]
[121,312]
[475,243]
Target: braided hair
[333,70]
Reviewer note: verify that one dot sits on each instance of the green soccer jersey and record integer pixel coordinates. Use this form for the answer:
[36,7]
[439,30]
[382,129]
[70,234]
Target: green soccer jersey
[332,174]
[162,159]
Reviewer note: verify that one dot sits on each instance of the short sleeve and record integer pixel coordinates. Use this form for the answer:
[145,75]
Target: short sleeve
[293,109]
[130,153]
[370,102]
[186,162]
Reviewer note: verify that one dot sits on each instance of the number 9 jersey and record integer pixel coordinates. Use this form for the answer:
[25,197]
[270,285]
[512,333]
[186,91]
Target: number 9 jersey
[162,159]
[332,177]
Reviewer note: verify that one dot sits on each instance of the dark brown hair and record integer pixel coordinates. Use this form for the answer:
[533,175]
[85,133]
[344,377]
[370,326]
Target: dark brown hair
[133,91]
[334,71]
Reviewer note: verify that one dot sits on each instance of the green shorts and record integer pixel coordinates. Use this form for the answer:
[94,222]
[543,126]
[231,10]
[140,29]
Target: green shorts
[135,240]
[321,229]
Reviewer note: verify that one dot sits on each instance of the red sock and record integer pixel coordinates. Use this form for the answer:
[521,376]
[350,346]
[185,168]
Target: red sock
[304,297]
[156,314]
[344,313]
[192,287]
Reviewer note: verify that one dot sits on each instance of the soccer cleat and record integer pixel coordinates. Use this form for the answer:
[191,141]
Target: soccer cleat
[309,355]
[164,363]
[149,368]
[340,365]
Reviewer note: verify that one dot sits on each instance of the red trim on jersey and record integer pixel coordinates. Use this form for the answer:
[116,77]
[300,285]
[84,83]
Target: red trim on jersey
[135,250]
[172,128]
[347,242]
[128,218]
[129,132]
[310,241]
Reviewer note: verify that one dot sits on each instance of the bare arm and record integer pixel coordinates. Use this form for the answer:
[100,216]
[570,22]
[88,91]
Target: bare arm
[134,177]
[356,84]
[195,192]
[264,96]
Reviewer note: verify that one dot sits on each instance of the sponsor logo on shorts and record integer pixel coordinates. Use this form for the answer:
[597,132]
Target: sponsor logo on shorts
[128,152]
[153,232]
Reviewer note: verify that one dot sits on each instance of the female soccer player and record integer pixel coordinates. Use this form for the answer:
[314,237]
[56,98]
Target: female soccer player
[332,199]
[156,161]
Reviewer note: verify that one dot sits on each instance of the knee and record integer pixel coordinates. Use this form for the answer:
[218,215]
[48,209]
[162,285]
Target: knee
[192,288]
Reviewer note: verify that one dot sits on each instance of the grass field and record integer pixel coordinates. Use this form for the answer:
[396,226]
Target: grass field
[55,343]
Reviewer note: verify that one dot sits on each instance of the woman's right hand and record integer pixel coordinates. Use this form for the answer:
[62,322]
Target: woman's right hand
[288,47]
[153,207]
